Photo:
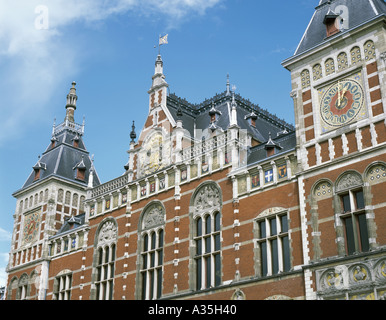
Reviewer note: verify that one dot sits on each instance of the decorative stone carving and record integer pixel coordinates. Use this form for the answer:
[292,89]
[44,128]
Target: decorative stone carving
[278,297]
[271,211]
[323,190]
[208,197]
[360,274]
[348,181]
[154,215]
[377,174]
[108,234]
[238,295]
[355,281]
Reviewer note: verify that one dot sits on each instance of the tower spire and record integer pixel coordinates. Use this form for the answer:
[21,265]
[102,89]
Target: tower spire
[71,103]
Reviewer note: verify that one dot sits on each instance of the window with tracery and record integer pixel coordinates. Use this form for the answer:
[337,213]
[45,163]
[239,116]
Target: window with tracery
[352,214]
[62,286]
[342,61]
[305,78]
[329,66]
[152,252]
[105,261]
[369,49]
[273,243]
[206,253]
[356,55]
[317,72]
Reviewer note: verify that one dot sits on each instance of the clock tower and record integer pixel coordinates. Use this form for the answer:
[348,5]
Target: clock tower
[53,193]
[339,90]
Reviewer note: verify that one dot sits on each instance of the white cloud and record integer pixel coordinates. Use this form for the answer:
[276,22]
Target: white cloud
[33,56]
[3,274]
[5,235]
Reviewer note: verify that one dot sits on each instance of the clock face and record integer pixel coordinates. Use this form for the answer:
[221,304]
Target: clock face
[31,227]
[342,103]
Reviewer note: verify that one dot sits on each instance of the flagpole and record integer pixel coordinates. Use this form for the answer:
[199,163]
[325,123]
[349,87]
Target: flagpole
[159,45]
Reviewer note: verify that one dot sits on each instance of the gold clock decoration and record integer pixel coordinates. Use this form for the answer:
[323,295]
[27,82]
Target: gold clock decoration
[342,103]
[152,155]
[31,227]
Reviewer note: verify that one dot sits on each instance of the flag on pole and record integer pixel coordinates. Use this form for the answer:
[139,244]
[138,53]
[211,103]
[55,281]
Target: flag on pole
[163,40]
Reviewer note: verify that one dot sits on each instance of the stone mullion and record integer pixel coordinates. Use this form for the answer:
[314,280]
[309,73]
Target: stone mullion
[177,210]
[236,233]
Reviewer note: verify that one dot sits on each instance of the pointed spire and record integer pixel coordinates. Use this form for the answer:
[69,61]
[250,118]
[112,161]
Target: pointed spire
[234,108]
[71,103]
[133,135]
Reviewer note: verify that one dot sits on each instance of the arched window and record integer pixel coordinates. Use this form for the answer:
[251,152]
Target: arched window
[22,291]
[356,55]
[369,49]
[329,66]
[317,72]
[273,250]
[207,237]
[342,61]
[208,254]
[105,260]
[305,77]
[350,210]
[62,285]
[151,252]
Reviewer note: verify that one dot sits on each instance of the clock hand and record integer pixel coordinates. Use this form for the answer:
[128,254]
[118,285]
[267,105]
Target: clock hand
[343,93]
[339,94]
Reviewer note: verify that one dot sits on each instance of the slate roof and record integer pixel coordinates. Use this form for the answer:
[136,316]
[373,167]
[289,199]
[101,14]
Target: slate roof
[286,142]
[360,11]
[72,223]
[197,116]
[61,160]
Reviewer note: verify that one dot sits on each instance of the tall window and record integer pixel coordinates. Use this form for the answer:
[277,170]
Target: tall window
[273,241]
[354,220]
[351,212]
[208,254]
[205,212]
[23,287]
[62,287]
[151,252]
[105,261]
[152,261]
[105,273]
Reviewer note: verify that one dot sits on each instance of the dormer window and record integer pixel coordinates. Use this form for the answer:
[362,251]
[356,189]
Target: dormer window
[80,173]
[37,174]
[76,141]
[37,169]
[272,147]
[252,119]
[214,114]
[53,142]
[332,22]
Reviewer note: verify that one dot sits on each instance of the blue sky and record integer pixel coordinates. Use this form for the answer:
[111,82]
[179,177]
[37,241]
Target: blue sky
[107,47]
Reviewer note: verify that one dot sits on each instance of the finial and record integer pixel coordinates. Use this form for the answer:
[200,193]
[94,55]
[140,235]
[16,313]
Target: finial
[179,112]
[54,127]
[233,95]
[228,86]
[71,103]
[133,135]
